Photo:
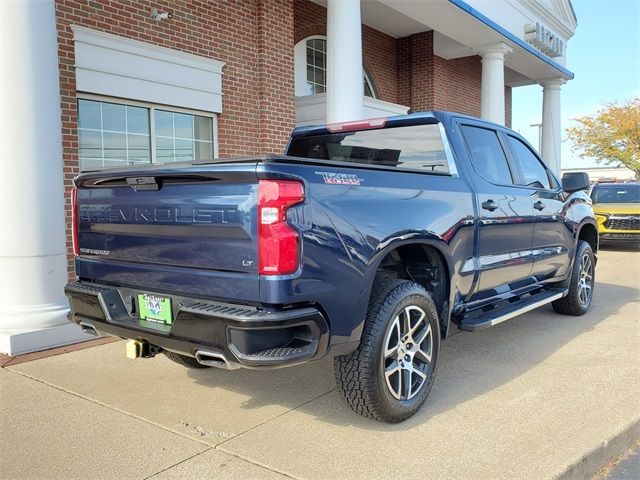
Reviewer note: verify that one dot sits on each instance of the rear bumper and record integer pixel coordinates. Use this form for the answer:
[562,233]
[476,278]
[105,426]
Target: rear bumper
[244,336]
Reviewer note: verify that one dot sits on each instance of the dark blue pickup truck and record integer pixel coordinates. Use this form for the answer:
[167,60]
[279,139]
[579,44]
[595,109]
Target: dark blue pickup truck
[370,241]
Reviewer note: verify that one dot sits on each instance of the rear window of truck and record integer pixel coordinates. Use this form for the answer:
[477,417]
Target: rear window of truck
[416,147]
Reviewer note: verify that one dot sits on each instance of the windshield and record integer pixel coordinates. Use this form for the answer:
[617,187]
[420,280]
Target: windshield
[616,193]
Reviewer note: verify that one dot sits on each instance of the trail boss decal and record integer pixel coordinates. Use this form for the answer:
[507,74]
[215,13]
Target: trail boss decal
[340,178]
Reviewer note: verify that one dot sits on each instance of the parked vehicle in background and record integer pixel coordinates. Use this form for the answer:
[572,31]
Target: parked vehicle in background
[617,210]
[370,241]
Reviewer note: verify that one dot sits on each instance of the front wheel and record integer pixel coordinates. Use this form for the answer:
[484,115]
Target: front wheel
[389,376]
[581,284]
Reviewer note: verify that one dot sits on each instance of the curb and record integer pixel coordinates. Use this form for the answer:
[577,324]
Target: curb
[593,461]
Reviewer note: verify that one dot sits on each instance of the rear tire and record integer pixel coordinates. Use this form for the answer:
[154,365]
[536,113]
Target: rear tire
[581,285]
[183,360]
[389,376]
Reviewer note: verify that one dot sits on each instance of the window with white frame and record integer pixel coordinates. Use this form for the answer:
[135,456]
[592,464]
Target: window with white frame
[115,134]
[311,78]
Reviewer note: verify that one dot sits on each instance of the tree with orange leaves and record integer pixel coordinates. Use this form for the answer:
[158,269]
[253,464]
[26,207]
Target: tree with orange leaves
[610,136]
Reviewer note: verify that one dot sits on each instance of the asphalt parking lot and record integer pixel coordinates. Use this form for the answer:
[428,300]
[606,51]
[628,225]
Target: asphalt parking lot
[541,396]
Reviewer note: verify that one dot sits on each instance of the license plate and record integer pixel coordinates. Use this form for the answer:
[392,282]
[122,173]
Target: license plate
[154,308]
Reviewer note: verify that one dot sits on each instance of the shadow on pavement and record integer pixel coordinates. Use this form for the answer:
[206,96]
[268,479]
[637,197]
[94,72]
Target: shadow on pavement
[471,364]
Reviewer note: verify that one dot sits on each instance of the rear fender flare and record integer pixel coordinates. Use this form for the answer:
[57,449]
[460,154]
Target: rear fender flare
[411,238]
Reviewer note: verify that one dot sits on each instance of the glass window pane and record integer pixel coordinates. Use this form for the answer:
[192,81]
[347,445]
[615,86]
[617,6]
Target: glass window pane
[90,163]
[139,150]
[115,145]
[318,59]
[487,155]
[534,173]
[112,163]
[164,149]
[164,123]
[88,114]
[184,150]
[320,77]
[310,56]
[137,120]
[203,128]
[113,117]
[90,143]
[204,151]
[309,73]
[183,125]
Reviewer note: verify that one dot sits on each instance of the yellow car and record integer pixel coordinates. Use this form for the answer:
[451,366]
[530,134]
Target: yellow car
[617,209]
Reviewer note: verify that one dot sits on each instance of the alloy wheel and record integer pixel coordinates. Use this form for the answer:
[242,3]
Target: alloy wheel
[408,349]
[585,279]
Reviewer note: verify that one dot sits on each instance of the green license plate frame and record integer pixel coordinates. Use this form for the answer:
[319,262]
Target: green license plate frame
[155,308]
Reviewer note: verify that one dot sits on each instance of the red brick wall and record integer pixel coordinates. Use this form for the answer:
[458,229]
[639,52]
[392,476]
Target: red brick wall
[255,40]
[379,50]
[507,106]
[403,71]
[457,85]
[416,69]
[276,83]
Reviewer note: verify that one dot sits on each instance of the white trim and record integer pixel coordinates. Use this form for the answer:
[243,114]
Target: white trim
[146,50]
[387,107]
[121,67]
[312,109]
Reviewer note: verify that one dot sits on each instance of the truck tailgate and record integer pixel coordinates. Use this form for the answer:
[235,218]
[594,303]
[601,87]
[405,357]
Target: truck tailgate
[198,217]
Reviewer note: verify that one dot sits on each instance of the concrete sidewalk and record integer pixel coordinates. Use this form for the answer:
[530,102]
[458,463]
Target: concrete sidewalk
[535,397]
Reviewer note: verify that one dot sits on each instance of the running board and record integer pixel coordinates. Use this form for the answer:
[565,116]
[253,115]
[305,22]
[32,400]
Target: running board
[502,314]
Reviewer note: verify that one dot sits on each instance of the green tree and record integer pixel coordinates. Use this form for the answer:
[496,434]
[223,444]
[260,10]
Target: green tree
[610,136]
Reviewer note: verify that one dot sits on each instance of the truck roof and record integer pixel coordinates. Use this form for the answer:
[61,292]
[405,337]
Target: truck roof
[416,118]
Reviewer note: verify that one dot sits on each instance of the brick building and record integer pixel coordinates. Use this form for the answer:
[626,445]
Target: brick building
[98,83]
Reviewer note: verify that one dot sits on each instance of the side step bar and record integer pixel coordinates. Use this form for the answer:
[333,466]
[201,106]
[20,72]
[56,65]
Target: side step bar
[507,312]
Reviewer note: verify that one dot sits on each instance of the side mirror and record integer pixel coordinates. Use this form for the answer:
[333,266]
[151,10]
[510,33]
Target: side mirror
[575,181]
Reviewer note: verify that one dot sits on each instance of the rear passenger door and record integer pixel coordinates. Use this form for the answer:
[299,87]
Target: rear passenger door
[505,232]
[551,232]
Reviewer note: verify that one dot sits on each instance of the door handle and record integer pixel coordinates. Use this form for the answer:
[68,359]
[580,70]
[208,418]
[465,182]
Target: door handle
[490,205]
[539,205]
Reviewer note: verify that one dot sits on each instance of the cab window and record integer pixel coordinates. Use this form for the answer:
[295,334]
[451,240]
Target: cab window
[533,171]
[487,155]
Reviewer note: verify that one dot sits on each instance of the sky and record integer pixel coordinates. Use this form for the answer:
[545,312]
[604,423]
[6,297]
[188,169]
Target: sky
[604,55]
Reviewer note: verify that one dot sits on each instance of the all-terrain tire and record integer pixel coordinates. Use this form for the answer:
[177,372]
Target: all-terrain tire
[574,303]
[183,360]
[361,374]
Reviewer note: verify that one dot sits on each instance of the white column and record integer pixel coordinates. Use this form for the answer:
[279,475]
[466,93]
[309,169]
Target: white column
[345,89]
[492,85]
[551,123]
[33,263]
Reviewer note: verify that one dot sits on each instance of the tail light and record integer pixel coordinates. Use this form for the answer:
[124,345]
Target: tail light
[278,243]
[74,221]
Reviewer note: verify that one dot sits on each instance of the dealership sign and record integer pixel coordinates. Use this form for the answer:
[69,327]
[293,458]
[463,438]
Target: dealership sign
[544,39]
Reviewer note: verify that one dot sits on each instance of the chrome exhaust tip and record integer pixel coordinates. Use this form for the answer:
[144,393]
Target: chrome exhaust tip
[213,359]
[88,328]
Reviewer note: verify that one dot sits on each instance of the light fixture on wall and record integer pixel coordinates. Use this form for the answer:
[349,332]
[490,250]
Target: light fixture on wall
[159,16]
